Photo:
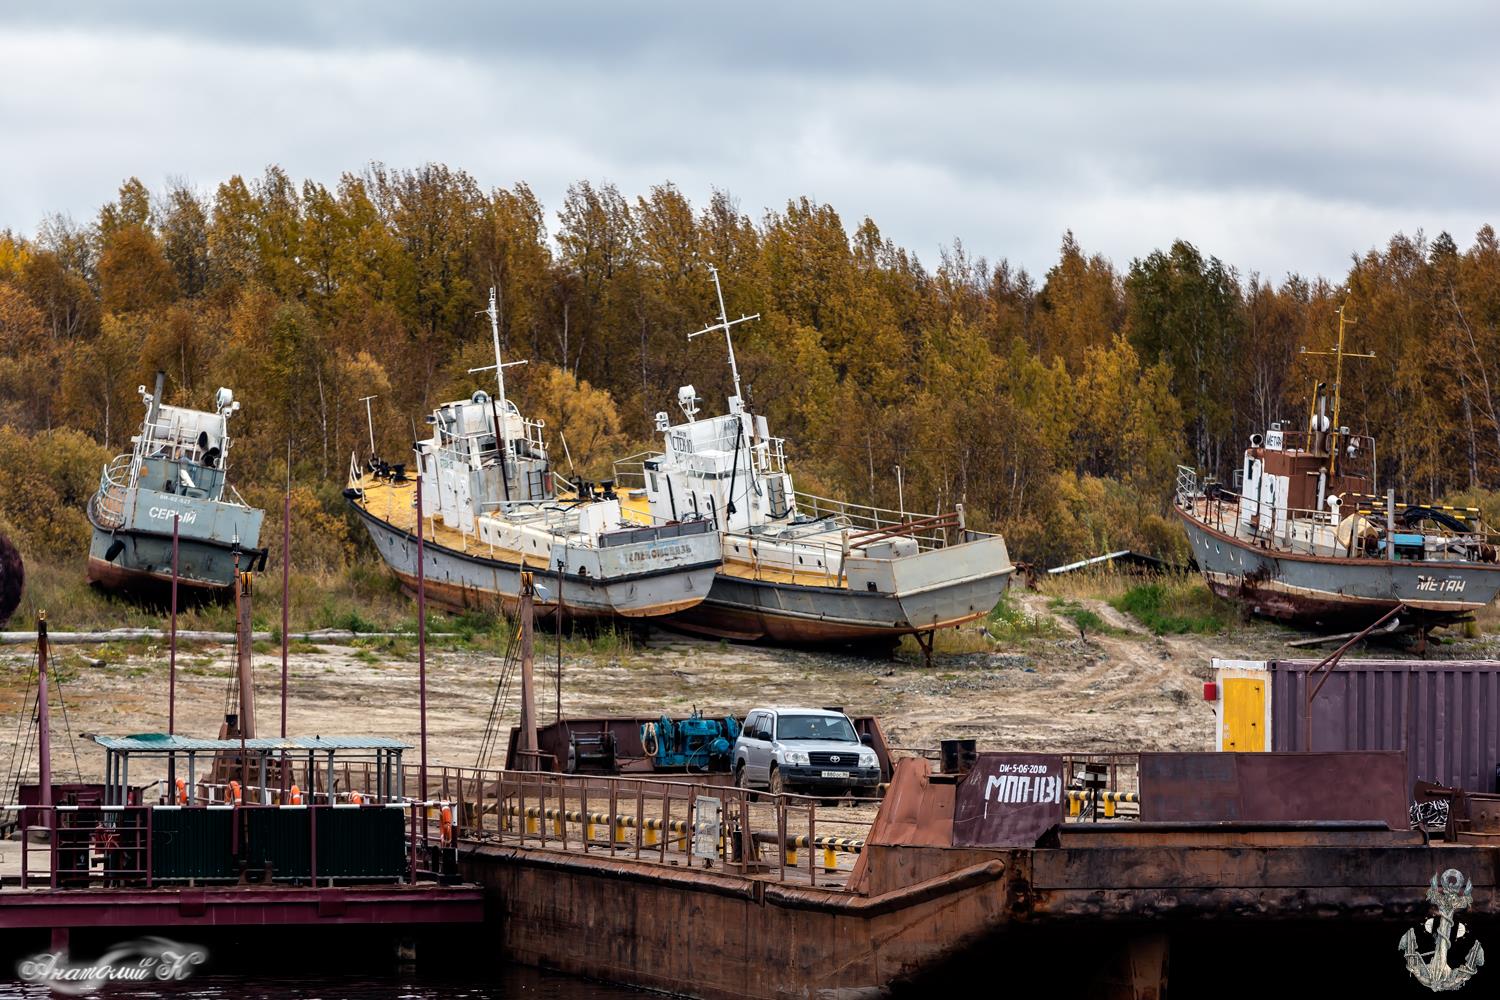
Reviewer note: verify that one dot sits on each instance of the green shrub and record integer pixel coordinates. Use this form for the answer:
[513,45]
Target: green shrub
[1174,606]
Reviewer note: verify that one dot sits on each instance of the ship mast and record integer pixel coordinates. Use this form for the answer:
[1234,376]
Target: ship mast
[1338,354]
[724,324]
[499,369]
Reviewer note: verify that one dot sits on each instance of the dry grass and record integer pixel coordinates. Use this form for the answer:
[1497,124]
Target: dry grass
[364,597]
[1095,584]
[1486,622]
[1171,603]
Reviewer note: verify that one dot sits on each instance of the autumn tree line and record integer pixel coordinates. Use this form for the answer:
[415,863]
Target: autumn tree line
[1054,407]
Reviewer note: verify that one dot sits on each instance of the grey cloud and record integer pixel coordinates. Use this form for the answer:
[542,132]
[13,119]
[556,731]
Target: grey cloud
[1279,138]
[1445,44]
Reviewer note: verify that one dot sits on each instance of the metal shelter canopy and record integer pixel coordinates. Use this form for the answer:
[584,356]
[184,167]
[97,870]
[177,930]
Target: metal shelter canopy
[162,743]
[256,758]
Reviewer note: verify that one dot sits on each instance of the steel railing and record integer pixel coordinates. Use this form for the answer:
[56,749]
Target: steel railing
[1313,532]
[114,482]
[90,846]
[785,836]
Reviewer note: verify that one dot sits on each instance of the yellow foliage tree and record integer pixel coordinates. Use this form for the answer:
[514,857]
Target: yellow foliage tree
[576,413]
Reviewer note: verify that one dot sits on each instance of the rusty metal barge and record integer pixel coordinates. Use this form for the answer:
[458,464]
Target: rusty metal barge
[235,835]
[991,871]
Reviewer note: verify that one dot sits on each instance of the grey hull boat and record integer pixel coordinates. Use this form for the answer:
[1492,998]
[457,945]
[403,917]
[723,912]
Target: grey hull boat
[1305,536]
[174,475]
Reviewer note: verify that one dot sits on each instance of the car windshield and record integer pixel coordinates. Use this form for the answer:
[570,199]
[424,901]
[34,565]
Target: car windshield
[816,727]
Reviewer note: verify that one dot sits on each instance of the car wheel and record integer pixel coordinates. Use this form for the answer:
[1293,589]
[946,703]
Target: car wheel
[777,787]
[740,781]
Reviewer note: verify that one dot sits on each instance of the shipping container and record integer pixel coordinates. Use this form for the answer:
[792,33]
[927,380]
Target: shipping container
[1444,713]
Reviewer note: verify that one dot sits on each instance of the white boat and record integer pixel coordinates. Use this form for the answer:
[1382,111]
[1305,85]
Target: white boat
[800,568]
[493,508]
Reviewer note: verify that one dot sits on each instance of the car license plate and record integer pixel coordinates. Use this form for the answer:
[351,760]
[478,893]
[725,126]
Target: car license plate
[835,774]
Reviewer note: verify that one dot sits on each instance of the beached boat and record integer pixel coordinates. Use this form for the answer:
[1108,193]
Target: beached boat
[175,470]
[493,508]
[1305,535]
[800,568]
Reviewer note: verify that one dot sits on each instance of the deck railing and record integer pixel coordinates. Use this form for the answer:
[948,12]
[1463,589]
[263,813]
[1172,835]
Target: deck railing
[666,820]
[96,846]
[1275,525]
[109,501]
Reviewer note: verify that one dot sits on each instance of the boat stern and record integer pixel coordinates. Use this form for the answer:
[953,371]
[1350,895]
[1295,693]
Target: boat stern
[942,586]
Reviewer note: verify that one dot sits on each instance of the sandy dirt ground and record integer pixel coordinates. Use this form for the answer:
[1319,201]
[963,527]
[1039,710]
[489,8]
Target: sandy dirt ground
[1122,691]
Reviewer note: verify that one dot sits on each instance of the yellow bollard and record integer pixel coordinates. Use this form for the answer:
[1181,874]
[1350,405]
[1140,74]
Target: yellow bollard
[650,836]
[620,831]
[1075,804]
[791,856]
[830,861]
[1109,807]
[530,822]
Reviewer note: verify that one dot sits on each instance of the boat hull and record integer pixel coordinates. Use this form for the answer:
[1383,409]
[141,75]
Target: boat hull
[136,555]
[885,599]
[675,574]
[1334,592]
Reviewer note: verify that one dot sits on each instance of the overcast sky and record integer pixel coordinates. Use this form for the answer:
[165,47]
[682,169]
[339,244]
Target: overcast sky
[1279,137]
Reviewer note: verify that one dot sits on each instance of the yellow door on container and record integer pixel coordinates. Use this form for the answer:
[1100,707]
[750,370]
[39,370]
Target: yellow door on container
[1244,713]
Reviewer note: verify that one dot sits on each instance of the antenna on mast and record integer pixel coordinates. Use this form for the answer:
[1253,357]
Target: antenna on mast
[724,324]
[499,366]
[1338,354]
[370,419]
[501,444]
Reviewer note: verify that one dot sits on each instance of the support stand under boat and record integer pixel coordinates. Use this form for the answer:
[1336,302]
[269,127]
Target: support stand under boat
[925,640]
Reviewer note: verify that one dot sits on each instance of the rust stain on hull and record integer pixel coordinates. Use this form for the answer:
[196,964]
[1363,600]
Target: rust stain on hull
[112,577]
[455,597]
[721,622]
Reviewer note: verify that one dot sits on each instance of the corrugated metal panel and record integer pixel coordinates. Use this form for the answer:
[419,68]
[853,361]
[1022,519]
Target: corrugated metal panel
[193,844]
[362,844]
[1444,713]
[279,840]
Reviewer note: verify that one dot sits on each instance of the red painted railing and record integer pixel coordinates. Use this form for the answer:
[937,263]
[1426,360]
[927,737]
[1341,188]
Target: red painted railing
[75,847]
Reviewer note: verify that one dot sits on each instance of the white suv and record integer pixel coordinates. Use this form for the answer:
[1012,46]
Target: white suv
[809,750]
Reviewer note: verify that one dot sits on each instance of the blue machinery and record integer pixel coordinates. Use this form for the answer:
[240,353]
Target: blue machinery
[691,744]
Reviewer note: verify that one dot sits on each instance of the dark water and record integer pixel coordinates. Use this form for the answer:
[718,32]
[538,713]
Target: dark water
[506,982]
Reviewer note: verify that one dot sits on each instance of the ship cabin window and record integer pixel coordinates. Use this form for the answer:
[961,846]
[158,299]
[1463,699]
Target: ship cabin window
[654,487]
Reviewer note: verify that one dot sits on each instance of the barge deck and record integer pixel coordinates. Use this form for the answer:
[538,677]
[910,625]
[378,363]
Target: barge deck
[930,895]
